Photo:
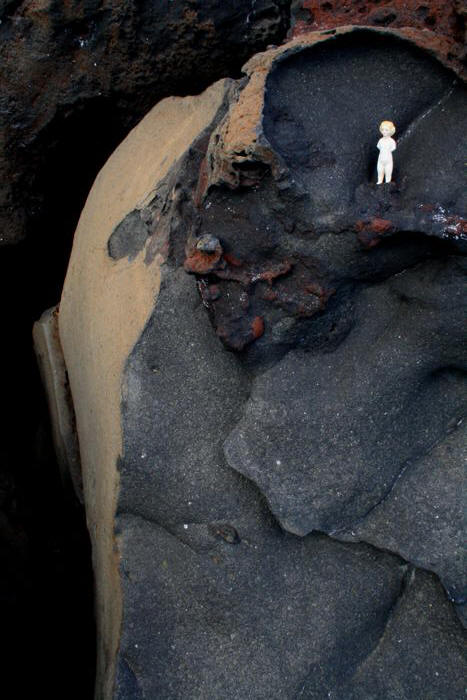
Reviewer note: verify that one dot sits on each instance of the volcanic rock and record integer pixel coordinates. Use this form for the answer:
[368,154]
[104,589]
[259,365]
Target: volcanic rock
[237,419]
[76,76]
[443,22]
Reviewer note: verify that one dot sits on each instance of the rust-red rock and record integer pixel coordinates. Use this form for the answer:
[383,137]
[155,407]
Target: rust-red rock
[443,18]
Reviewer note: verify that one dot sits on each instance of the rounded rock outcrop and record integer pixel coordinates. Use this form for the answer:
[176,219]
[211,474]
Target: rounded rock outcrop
[269,382]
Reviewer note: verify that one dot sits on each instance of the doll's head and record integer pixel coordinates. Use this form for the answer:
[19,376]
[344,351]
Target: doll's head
[387,128]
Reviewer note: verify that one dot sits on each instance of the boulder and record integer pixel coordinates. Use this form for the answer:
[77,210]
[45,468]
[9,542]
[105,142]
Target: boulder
[264,353]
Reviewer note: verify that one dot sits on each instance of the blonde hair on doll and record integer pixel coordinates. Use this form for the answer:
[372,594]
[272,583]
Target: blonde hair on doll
[389,125]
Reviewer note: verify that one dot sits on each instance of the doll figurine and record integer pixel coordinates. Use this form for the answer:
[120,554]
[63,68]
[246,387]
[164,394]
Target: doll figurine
[386,146]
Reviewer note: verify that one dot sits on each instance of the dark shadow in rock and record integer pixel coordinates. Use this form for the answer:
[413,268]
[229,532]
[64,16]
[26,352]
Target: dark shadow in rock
[46,578]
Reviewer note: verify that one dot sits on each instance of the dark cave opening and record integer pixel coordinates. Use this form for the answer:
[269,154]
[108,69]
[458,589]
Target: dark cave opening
[46,586]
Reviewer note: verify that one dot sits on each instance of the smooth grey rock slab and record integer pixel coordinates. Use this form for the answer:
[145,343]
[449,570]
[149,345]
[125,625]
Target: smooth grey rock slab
[421,653]
[183,393]
[326,435]
[269,616]
[422,518]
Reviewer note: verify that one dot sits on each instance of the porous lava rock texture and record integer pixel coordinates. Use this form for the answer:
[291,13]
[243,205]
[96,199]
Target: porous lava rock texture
[443,21]
[264,349]
[75,76]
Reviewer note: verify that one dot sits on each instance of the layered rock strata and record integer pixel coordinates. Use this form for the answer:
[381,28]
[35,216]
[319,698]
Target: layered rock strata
[265,354]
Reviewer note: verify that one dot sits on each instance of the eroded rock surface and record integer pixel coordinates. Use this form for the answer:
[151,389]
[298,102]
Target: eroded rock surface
[410,650]
[104,308]
[445,19]
[276,365]
[269,616]
[77,76]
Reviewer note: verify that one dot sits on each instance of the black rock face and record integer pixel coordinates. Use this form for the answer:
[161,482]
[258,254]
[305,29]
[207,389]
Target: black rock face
[76,77]
[271,616]
[304,384]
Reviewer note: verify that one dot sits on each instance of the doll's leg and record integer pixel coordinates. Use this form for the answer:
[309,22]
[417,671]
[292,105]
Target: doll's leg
[388,171]
[380,168]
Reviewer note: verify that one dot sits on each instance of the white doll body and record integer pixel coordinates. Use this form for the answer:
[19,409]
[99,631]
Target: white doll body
[386,145]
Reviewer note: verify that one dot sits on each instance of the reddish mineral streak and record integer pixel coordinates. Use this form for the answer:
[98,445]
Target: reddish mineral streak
[270,295]
[236,271]
[314,288]
[369,239]
[374,225]
[320,292]
[371,232]
[257,326]
[232,260]
[456,226]
[281,269]
[200,263]
[238,333]
[238,275]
